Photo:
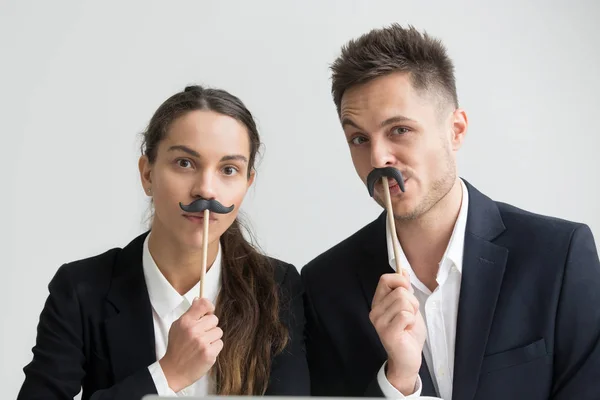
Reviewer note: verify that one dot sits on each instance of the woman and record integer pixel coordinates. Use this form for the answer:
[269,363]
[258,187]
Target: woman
[127,322]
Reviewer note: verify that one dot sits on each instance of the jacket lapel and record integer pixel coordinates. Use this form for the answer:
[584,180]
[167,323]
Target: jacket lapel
[369,271]
[130,333]
[427,389]
[370,264]
[376,263]
[483,269]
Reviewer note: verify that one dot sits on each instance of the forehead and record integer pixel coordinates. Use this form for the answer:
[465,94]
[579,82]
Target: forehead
[384,97]
[209,132]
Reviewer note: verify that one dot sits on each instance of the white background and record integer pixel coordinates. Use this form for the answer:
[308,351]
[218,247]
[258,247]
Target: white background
[79,81]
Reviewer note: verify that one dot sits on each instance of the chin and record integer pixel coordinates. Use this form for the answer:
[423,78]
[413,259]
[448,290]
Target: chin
[194,243]
[191,239]
[195,238]
[405,210]
[403,203]
[405,215]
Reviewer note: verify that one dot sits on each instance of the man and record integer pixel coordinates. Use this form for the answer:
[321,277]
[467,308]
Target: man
[498,303]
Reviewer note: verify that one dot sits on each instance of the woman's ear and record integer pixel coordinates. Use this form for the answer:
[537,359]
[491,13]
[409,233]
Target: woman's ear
[251,177]
[145,174]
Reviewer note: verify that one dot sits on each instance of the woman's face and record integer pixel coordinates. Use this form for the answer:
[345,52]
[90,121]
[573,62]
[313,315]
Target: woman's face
[204,154]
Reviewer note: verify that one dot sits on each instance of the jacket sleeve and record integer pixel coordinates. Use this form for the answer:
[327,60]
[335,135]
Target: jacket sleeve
[577,338]
[58,367]
[326,368]
[289,371]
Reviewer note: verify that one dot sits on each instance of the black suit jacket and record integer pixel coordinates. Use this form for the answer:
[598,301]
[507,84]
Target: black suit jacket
[528,323]
[96,332]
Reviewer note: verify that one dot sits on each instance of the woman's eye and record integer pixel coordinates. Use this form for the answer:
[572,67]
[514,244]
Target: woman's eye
[183,163]
[229,171]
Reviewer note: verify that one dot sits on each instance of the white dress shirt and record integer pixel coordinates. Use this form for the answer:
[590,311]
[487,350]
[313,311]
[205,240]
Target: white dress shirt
[439,309]
[167,306]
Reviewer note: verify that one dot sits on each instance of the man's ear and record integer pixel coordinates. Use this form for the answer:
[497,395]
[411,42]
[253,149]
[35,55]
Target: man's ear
[460,124]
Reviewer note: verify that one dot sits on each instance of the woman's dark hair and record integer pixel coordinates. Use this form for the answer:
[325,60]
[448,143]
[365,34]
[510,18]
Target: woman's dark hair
[248,302]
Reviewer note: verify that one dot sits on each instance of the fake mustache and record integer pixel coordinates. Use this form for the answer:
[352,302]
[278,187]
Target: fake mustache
[378,173]
[200,204]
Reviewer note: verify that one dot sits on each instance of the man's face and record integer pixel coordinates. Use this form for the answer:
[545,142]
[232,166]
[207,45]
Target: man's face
[387,123]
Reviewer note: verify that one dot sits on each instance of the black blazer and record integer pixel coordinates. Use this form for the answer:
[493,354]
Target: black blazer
[96,332]
[528,323]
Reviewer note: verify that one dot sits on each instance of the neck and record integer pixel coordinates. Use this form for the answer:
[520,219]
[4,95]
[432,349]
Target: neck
[180,264]
[425,239]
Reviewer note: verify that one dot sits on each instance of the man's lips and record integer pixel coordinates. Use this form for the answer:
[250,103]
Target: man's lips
[392,183]
[393,186]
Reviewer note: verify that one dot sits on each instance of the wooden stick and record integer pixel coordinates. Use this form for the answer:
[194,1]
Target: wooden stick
[204,252]
[391,222]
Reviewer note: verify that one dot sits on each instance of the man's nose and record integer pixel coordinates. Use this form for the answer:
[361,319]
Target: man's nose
[381,153]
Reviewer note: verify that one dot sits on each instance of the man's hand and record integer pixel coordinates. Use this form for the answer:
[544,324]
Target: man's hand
[396,317]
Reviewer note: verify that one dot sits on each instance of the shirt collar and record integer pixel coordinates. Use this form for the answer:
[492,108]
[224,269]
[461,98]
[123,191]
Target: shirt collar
[163,297]
[454,251]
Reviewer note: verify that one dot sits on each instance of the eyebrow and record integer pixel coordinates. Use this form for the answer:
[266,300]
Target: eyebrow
[185,149]
[396,119]
[348,121]
[194,153]
[235,157]
[389,121]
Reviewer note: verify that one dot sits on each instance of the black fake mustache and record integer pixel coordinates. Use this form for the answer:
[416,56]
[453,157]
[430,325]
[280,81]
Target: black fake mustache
[200,204]
[378,173]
